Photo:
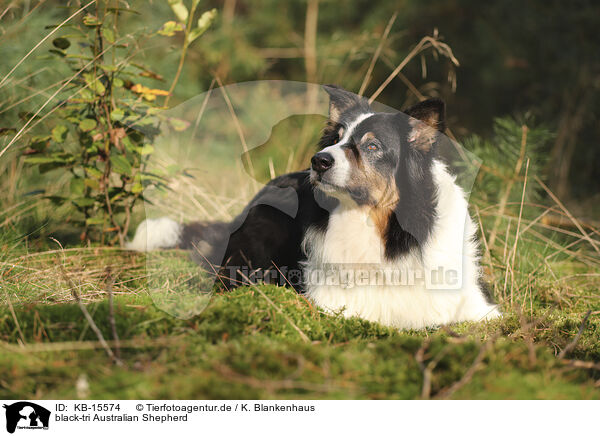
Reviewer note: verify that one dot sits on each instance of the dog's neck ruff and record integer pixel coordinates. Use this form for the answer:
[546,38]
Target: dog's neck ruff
[432,284]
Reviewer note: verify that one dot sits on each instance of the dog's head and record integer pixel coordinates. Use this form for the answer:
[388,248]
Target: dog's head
[368,158]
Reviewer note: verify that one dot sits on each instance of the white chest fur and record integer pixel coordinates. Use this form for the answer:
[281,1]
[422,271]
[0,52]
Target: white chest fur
[346,269]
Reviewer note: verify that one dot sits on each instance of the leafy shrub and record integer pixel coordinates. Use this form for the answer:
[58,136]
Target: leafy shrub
[103,130]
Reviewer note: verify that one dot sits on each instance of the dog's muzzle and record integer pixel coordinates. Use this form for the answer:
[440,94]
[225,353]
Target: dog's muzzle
[321,162]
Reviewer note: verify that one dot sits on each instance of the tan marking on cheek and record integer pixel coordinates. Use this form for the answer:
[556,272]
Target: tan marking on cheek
[383,210]
[382,191]
[380,218]
[385,193]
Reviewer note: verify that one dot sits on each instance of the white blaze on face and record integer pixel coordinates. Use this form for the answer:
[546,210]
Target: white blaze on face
[339,174]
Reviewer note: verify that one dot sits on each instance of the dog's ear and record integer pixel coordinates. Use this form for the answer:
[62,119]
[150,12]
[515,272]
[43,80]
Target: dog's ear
[428,119]
[432,112]
[341,100]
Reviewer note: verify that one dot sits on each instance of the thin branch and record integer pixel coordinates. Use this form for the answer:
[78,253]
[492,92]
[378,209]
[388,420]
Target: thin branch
[571,345]
[475,366]
[188,29]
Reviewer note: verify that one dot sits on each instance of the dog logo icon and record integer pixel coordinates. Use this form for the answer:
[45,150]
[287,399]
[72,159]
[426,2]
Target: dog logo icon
[26,415]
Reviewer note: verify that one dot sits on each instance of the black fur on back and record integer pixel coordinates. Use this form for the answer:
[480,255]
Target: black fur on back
[264,240]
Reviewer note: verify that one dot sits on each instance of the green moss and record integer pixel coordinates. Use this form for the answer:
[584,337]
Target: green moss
[242,347]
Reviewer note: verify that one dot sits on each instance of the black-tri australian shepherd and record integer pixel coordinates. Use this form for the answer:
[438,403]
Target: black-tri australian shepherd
[378,227]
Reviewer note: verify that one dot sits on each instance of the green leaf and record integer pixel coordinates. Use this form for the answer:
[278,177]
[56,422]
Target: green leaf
[94,221]
[204,22]
[93,172]
[179,9]
[86,95]
[91,21]
[137,188]
[77,186]
[40,138]
[62,43]
[84,201]
[59,133]
[169,28]
[117,115]
[108,68]
[145,149]
[87,124]
[45,167]
[126,141]
[61,53]
[120,164]
[37,160]
[109,35]
[92,183]
[94,84]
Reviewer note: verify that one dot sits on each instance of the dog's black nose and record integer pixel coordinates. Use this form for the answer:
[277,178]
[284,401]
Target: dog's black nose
[321,162]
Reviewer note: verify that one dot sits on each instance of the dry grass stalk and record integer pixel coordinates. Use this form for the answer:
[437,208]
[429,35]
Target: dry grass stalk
[509,186]
[382,41]
[514,248]
[16,320]
[238,128]
[303,335]
[425,43]
[85,312]
[571,217]
[111,312]
[310,52]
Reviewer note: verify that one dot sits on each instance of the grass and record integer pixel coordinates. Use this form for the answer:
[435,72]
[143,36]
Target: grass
[241,346]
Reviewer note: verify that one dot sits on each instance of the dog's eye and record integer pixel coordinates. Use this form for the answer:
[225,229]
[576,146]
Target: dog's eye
[372,146]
